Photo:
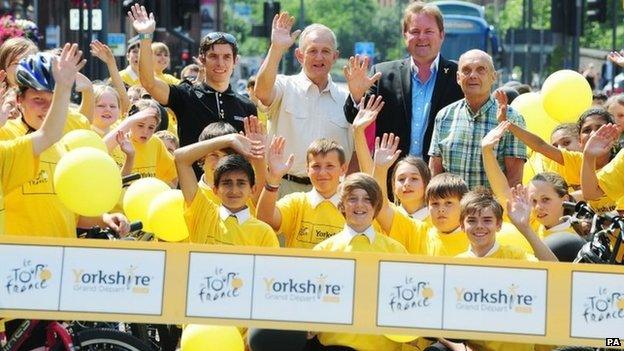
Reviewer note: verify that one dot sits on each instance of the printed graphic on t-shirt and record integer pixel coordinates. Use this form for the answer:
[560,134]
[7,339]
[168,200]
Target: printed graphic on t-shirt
[314,233]
[42,183]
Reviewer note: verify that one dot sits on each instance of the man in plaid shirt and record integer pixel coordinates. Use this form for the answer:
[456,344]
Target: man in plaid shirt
[460,126]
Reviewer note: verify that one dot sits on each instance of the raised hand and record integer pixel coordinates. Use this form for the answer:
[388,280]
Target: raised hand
[501,112]
[493,136]
[202,69]
[600,142]
[356,74]
[66,66]
[617,58]
[246,147]
[367,114]
[255,130]
[281,37]
[141,22]
[83,83]
[277,162]
[518,207]
[124,143]
[102,51]
[386,151]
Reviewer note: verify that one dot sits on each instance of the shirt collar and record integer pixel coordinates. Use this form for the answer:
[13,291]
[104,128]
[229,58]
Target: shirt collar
[241,216]
[433,67]
[134,75]
[208,89]
[489,103]
[349,233]
[559,227]
[420,214]
[315,198]
[488,254]
[331,87]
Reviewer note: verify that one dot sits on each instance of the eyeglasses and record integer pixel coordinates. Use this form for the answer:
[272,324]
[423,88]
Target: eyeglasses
[214,36]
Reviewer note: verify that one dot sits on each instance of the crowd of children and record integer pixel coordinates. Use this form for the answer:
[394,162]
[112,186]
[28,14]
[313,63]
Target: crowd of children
[235,200]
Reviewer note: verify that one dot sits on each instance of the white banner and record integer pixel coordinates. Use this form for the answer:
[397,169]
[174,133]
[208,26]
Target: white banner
[219,285]
[597,305]
[410,295]
[113,281]
[304,289]
[486,299]
[30,277]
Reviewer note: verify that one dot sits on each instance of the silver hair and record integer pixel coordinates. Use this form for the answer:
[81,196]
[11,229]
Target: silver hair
[313,28]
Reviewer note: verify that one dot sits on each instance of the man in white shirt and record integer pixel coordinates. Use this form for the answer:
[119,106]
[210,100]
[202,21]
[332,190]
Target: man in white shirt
[306,106]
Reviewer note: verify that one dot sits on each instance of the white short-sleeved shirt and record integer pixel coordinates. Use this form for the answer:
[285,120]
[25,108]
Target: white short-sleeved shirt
[301,114]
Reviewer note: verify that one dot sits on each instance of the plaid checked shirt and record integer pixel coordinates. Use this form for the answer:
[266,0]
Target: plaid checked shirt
[457,138]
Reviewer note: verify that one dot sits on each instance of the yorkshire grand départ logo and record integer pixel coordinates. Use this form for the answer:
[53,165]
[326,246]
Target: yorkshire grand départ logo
[499,300]
[222,284]
[29,276]
[114,281]
[411,294]
[606,305]
[308,290]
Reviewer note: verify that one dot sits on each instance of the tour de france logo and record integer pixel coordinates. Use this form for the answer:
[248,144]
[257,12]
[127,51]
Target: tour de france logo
[606,305]
[222,284]
[113,281]
[318,289]
[411,294]
[29,276]
[500,300]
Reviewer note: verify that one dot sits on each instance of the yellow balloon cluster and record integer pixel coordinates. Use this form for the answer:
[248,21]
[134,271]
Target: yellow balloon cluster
[566,94]
[197,337]
[87,181]
[139,196]
[81,138]
[165,216]
[530,106]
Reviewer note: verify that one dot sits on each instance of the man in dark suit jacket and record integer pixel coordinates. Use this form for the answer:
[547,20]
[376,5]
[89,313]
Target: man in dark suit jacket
[423,31]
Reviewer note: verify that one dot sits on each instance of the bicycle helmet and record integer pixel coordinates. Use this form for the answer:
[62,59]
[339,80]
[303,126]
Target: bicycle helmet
[35,71]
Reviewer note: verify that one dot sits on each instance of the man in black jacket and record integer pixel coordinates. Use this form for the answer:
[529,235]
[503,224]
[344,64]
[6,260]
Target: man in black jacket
[413,89]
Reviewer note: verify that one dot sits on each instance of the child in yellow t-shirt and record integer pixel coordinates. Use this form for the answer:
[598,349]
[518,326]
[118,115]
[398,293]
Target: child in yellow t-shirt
[360,199]
[481,218]
[151,158]
[304,218]
[107,109]
[162,59]
[443,237]
[410,175]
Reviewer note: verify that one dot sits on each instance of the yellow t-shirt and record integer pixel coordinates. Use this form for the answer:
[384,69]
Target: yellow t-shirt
[173,119]
[305,225]
[571,172]
[151,159]
[18,164]
[422,239]
[420,215]
[34,208]
[129,77]
[342,242]
[610,179]
[207,225]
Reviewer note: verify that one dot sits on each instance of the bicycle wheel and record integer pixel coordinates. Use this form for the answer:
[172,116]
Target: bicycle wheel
[108,339]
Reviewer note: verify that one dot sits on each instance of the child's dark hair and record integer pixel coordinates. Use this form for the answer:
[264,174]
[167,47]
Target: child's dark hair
[478,200]
[233,163]
[362,181]
[555,180]
[143,104]
[417,162]
[445,185]
[599,112]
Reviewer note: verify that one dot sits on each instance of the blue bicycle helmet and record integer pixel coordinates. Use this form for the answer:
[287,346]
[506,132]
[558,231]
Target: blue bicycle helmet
[35,71]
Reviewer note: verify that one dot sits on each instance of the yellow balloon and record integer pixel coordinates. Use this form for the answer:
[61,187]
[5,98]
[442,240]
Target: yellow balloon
[87,181]
[138,197]
[165,216]
[400,338]
[566,94]
[530,106]
[83,137]
[197,337]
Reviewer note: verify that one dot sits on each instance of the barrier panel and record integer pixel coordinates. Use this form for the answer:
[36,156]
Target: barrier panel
[361,292]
